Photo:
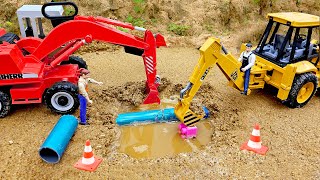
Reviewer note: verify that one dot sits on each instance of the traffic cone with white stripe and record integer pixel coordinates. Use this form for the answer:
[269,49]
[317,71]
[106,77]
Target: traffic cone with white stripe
[254,143]
[88,162]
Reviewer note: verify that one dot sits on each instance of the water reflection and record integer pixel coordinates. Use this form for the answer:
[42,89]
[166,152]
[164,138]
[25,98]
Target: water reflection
[160,139]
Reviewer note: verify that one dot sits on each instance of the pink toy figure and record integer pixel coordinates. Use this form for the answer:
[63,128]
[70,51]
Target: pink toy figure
[187,132]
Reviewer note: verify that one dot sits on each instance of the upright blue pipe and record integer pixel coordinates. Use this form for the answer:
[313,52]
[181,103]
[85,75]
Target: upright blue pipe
[162,115]
[56,143]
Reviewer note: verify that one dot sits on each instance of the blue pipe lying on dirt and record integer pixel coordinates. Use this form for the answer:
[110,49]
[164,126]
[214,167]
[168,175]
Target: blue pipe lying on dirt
[56,143]
[161,115]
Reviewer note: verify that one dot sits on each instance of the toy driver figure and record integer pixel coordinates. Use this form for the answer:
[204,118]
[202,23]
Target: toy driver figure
[248,59]
[83,94]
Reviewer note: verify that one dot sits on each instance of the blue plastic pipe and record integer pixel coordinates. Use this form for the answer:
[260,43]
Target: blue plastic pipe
[163,115]
[56,143]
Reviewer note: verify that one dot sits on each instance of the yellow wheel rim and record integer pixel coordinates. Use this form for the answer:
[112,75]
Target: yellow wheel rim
[305,92]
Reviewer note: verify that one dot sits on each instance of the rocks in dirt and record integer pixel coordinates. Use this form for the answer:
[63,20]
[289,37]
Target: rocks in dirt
[10,142]
[132,93]
[114,5]
[165,82]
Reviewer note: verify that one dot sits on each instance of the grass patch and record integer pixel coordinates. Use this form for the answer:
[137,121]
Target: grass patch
[154,20]
[139,6]
[123,29]
[135,21]
[181,30]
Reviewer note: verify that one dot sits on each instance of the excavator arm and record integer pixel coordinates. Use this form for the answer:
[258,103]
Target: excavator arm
[211,53]
[73,34]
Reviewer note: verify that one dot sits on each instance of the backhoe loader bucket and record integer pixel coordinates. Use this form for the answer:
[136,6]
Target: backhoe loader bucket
[189,117]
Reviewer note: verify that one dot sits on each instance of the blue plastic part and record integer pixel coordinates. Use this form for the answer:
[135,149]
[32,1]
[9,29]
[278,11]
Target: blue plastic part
[56,143]
[162,115]
[206,112]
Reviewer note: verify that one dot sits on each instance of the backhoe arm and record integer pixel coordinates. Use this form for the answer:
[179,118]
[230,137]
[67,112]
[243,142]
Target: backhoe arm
[210,54]
[80,29]
[71,35]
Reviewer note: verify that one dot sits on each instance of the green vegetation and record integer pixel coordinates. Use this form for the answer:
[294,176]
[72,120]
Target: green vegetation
[208,27]
[139,9]
[256,1]
[139,6]
[180,30]
[135,21]
[123,29]
[9,26]
[69,11]
[154,20]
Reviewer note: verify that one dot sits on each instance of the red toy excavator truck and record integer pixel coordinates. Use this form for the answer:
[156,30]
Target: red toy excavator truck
[33,70]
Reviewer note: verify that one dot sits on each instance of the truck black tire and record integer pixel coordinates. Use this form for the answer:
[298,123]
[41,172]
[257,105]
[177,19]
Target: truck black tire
[303,88]
[5,104]
[76,60]
[62,98]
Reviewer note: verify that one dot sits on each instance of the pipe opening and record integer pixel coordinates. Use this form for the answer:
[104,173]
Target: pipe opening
[49,155]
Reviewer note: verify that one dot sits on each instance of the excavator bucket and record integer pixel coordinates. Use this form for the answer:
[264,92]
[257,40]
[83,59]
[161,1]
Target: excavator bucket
[152,97]
[191,118]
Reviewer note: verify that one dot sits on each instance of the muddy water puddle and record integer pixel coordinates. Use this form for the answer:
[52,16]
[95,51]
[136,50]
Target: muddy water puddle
[160,139]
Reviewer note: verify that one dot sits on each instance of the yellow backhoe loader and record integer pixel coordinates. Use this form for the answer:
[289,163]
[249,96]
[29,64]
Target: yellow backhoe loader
[286,58]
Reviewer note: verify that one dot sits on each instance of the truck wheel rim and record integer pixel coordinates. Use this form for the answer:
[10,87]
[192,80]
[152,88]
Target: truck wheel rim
[0,106]
[305,92]
[62,101]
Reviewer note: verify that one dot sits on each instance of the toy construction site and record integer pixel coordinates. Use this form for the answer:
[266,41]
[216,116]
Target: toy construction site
[160,89]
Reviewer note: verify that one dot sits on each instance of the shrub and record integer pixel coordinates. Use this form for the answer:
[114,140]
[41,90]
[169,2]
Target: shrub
[180,30]
[139,6]
[135,21]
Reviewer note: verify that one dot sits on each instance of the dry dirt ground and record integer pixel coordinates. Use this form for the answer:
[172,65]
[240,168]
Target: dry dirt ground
[291,134]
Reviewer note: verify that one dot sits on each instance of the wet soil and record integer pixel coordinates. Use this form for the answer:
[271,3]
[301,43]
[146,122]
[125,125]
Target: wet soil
[292,135]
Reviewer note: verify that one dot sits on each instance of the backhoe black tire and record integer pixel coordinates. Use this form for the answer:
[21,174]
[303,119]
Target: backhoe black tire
[309,82]
[5,104]
[62,98]
[76,60]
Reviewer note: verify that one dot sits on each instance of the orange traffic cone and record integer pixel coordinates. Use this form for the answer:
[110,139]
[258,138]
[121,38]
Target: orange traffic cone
[88,162]
[254,143]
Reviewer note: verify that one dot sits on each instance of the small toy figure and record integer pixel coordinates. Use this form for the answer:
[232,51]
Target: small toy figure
[248,59]
[83,94]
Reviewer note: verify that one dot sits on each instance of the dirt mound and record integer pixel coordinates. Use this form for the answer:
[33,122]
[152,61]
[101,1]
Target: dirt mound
[131,94]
